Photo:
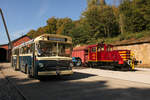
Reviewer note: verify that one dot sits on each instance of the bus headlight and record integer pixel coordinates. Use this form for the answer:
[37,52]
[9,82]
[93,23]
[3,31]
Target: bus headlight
[41,65]
[71,64]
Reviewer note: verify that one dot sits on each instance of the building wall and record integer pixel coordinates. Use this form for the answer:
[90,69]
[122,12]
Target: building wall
[141,52]
[15,43]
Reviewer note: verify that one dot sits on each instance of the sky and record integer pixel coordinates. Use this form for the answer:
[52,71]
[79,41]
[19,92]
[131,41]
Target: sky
[23,15]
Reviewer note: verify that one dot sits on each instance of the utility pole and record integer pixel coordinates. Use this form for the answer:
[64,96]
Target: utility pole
[10,44]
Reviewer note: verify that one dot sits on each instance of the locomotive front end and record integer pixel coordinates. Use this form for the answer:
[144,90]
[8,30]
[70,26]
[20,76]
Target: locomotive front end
[128,58]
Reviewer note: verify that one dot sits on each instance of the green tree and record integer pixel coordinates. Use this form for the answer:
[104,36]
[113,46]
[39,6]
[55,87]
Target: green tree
[64,26]
[136,18]
[51,24]
[101,19]
[80,34]
[31,33]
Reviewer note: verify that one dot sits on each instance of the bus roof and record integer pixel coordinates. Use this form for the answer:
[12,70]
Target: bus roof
[47,37]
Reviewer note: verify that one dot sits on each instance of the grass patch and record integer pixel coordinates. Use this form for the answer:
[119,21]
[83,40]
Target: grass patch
[126,36]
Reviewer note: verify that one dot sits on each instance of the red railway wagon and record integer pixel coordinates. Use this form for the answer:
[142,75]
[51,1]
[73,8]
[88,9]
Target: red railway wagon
[81,53]
[104,55]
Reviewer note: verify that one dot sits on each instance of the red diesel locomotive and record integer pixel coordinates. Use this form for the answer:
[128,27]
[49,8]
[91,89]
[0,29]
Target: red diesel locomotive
[103,55]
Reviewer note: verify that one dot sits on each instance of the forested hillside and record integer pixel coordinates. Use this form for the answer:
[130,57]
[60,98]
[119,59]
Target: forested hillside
[100,21]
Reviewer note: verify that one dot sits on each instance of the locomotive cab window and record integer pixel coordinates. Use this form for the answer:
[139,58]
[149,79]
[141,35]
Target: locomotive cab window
[94,49]
[109,49]
[102,48]
[99,49]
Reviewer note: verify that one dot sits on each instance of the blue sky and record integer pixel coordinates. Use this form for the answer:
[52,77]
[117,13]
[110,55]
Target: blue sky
[24,15]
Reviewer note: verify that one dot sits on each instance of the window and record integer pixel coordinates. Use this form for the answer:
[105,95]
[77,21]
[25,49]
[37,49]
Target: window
[109,48]
[98,49]
[94,49]
[31,48]
[102,49]
[15,52]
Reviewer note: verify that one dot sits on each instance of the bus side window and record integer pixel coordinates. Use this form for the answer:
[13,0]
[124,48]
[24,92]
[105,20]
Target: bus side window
[23,50]
[20,49]
[16,52]
[31,48]
[28,48]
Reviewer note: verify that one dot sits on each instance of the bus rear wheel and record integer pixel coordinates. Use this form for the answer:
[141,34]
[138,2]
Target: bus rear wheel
[29,72]
[14,67]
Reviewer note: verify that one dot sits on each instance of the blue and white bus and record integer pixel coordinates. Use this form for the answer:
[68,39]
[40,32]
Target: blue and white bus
[48,54]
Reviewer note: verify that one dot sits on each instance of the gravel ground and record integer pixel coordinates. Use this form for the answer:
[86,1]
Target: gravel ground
[7,90]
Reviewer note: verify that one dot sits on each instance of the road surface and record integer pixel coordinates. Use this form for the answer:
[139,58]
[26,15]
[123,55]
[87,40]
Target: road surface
[85,84]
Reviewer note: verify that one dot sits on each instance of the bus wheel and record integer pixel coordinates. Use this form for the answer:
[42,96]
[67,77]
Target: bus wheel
[14,67]
[29,72]
[26,69]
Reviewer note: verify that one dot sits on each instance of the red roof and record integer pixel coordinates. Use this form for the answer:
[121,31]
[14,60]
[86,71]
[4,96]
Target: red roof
[17,42]
[80,48]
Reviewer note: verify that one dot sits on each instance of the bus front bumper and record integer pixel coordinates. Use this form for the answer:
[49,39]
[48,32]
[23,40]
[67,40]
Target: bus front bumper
[58,72]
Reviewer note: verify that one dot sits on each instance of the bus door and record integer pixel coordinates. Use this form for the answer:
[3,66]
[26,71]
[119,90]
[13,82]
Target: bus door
[17,60]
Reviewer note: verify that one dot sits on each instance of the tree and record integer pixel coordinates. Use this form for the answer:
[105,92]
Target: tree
[51,24]
[101,19]
[136,18]
[64,26]
[80,33]
[31,33]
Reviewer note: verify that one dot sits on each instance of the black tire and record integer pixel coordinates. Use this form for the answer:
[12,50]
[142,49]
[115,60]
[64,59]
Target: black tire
[79,62]
[29,75]
[26,69]
[14,67]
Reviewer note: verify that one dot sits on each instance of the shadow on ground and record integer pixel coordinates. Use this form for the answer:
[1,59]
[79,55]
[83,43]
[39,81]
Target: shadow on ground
[75,76]
[76,87]
[72,88]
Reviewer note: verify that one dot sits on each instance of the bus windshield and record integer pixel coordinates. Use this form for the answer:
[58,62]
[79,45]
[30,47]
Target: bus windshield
[64,50]
[47,49]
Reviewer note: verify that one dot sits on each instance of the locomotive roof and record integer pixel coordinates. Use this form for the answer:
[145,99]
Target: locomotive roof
[100,44]
[80,48]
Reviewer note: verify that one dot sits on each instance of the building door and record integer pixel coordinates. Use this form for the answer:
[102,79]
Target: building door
[3,55]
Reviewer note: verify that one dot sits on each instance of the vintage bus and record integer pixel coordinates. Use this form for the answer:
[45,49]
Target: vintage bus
[48,54]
